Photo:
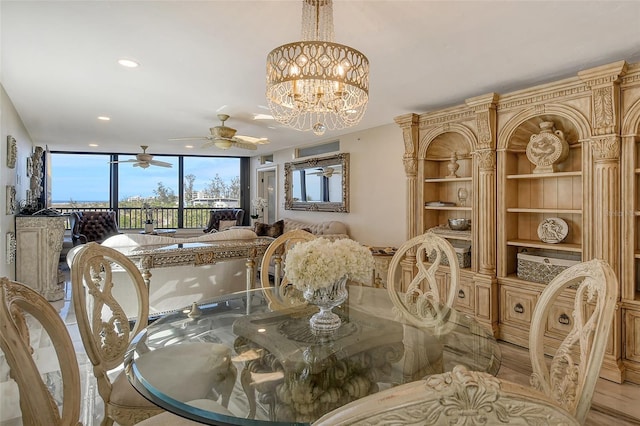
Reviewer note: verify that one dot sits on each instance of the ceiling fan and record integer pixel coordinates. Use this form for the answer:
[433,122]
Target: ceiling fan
[225,137]
[326,172]
[144,160]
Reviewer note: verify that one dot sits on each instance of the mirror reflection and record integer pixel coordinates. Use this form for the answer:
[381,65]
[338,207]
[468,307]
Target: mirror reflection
[318,184]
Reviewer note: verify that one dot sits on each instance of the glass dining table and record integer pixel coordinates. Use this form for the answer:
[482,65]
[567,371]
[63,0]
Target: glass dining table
[269,367]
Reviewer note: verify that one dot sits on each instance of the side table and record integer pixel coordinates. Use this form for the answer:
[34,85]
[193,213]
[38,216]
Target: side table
[38,247]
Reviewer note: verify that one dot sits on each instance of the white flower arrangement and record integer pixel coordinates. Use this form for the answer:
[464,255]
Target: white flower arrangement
[258,205]
[321,262]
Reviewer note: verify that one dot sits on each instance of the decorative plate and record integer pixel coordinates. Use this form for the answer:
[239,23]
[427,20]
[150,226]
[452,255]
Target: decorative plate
[553,230]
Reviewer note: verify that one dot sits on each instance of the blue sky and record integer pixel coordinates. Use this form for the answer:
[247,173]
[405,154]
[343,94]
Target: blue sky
[85,177]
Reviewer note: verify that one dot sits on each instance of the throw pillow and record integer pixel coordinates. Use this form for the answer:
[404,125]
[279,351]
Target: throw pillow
[226,224]
[265,230]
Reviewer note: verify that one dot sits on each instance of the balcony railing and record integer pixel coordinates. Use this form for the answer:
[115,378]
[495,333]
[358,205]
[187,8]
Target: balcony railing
[164,217]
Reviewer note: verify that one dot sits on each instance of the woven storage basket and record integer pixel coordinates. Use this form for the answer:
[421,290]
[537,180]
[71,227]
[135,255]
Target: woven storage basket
[542,267]
[463,251]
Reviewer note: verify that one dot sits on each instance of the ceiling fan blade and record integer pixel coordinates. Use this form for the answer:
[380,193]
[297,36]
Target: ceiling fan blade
[251,139]
[160,163]
[244,145]
[191,138]
[124,161]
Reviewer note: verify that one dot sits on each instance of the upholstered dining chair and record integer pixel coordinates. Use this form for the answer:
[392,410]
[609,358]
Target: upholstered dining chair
[37,404]
[419,300]
[282,293]
[106,332]
[560,392]
[415,293]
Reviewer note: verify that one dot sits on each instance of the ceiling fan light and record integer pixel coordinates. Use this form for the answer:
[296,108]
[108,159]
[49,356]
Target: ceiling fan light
[223,144]
[316,81]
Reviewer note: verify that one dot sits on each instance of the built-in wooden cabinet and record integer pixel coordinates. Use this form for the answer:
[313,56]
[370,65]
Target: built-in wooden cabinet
[594,188]
[629,216]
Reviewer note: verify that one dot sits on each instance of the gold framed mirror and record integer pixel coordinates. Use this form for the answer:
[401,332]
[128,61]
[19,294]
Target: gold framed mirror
[318,184]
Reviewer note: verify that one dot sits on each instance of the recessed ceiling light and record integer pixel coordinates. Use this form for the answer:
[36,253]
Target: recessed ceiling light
[128,63]
[104,118]
[263,117]
[188,146]
[93,144]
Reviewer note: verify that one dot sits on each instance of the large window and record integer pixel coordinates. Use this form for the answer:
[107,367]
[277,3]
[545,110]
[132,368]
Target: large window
[80,181]
[179,197]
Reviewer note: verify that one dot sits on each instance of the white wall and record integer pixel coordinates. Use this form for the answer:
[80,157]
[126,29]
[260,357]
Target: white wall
[378,202]
[11,124]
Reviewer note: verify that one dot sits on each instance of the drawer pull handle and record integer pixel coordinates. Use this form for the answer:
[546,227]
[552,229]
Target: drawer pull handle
[564,319]
[461,294]
[518,308]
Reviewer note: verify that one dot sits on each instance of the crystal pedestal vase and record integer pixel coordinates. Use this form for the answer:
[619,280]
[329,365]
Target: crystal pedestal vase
[326,299]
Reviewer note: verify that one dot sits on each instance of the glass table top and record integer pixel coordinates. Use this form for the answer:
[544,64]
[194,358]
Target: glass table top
[265,367]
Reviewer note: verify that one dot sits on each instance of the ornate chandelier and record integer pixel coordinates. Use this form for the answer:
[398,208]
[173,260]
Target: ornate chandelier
[316,84]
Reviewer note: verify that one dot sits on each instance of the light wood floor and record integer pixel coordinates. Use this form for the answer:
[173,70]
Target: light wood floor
[612,405]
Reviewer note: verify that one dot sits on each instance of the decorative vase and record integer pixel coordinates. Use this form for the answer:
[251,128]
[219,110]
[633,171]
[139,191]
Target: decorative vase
[326,299]
[453,165]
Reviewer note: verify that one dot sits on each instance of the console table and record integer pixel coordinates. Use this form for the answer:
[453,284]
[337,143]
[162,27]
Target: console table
[196,254]
[38,246]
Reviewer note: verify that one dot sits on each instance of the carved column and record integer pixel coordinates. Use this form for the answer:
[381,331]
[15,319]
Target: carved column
[485,178]
[605,204]
[484,210]
[606,197]
[486,207]
[409,125]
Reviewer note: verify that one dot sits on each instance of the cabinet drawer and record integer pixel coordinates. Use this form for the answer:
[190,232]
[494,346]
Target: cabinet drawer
[465,297]
[631,335]
[516,306]
[560,319]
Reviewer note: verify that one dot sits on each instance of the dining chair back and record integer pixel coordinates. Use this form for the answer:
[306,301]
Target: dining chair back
[281,293]
[571,377]
[460,397]
[21,308]
[417,292]
[560,394]
[105,329]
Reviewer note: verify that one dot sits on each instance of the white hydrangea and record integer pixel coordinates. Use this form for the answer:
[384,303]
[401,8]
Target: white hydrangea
[321,262]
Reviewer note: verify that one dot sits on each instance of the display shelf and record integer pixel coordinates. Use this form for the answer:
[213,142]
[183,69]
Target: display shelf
[452,208]
[441,180]
[446,232]
[544,175]
[576,248]
[543,210]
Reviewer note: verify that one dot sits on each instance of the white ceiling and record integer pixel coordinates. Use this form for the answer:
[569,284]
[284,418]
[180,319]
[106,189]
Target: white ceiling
[58,61]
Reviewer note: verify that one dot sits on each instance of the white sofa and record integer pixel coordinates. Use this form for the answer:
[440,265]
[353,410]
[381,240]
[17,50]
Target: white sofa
[177,287]
[328,229]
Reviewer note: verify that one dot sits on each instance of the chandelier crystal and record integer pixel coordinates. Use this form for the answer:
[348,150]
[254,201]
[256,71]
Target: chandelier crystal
[316,84]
